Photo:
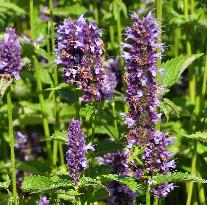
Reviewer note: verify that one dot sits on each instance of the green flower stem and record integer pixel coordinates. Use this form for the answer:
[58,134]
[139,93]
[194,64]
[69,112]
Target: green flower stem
[55,76]
[159,17]
[192,96]
[31,6]
[193,171]
[155,201]
[11,137]
[43,109]
[115,120]
[177,37]
[148,197]
[39,87]
[95,10]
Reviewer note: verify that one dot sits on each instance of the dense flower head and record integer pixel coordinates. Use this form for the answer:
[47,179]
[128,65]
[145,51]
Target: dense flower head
[140,56]
[10,59]
[76,154]
[81,54]
[43,201]
[156,159]
[140,53]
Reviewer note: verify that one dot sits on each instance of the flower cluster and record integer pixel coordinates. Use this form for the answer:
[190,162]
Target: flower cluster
[119,193]
[81,53]
[76,154]
[43,201]
[10,59]
[140,55]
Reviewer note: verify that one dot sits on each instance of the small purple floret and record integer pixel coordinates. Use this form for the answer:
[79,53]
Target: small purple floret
[43,201]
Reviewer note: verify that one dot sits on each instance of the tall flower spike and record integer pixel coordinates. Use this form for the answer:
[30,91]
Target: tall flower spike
[76,154]
[80,52]
[10,59]
[140,55]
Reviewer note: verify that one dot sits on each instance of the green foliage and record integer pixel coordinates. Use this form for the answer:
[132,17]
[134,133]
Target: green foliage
[176,177]
[40,184]
[60,136]
[198,136]
[130,182]
[6,183]
[13,7]
[174,68]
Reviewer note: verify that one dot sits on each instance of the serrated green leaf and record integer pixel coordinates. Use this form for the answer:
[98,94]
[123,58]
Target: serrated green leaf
[89,111]
[198,136]
[39,184]
[59,87]
[130,182]
[60,136]
[175,67]
[86,182]
[5,184]
[176,177]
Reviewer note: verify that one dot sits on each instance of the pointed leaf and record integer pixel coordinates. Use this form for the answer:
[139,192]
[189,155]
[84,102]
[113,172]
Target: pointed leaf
[175,67]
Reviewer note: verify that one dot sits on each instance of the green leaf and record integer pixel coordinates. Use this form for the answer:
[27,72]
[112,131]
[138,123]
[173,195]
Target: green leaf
[75,9]
[176,177]
[130,182]
[60,136]
[13,7]
[175,67]
[89,111]
[5,184]
[59,87]
[198,136]
[4,84]
[43,53]
[39,184]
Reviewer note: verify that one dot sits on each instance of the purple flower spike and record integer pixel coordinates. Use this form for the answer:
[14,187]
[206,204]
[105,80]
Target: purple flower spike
[43,201]
[81,54]
[10,59]
[76,154]
[140,55]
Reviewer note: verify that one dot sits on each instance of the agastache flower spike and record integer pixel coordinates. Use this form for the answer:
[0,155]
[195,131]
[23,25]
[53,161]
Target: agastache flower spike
[140,55]
[76,154]
[10,59]
[80,52]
